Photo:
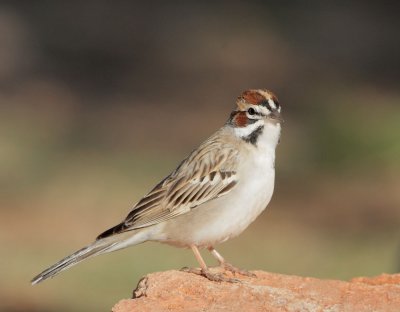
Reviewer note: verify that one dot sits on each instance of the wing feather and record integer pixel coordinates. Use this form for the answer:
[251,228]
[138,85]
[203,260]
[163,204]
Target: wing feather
[208,173]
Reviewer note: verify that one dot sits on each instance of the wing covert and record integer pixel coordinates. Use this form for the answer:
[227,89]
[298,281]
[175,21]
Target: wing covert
[208,173]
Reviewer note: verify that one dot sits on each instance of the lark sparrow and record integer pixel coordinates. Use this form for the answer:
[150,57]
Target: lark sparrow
[213,195]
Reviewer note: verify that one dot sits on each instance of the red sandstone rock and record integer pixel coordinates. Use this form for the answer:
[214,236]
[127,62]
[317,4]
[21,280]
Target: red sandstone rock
[180,291]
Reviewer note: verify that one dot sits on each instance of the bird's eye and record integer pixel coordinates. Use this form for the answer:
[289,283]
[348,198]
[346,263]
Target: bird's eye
[251,111]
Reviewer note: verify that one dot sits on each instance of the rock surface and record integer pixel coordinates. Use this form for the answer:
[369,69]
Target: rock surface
[180,291]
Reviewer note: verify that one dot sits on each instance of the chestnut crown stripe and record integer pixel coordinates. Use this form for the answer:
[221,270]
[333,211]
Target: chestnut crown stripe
[249,98]
[252,97]
[259,97]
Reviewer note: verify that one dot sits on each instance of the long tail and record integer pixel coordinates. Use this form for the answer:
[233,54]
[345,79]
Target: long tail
[96,248]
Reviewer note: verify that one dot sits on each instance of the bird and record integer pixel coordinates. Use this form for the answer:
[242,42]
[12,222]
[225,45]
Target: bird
[213,195]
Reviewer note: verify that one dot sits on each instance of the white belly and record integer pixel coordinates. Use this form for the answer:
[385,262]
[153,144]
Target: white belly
[227,216]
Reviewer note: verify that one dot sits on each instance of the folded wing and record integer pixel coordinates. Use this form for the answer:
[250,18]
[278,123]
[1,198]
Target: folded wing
[208,173]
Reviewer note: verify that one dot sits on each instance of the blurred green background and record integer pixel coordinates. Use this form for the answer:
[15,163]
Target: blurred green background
[101,99]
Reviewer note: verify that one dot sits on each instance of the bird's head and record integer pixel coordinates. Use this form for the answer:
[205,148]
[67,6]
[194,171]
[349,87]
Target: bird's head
[256,109]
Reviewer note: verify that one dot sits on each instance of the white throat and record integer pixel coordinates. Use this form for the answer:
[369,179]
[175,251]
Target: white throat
[267,137]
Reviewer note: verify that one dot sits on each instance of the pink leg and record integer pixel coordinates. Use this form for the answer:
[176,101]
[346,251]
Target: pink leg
[227,266]
[204,271]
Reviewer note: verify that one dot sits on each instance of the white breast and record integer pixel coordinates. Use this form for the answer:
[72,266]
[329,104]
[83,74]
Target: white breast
[227,216]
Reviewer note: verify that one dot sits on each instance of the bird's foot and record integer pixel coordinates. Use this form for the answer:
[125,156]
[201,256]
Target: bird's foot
[215,277]
[229,267]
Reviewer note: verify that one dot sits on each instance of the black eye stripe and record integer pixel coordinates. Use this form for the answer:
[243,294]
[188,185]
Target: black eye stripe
[276,102]
[266,104]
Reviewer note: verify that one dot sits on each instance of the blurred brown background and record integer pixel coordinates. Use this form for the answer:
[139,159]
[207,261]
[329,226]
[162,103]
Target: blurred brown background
[101,99]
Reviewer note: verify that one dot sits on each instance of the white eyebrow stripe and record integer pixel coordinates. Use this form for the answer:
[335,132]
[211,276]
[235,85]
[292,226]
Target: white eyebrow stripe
[272,103]
[263,110]
[260,111]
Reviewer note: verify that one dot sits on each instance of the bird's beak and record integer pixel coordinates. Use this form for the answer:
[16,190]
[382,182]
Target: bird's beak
[276,116]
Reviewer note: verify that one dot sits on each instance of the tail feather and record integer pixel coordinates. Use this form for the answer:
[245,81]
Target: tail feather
[94,249]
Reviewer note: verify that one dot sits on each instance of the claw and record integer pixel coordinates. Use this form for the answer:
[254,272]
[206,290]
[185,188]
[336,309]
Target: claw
[215,277]
[229,267]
